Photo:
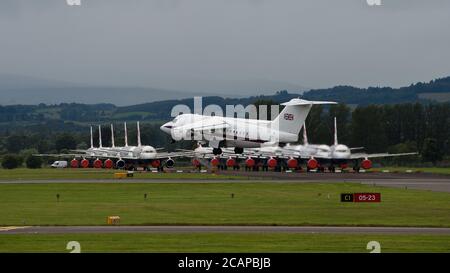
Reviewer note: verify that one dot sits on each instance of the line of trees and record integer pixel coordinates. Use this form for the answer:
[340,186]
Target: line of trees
[399,128]
[424,128]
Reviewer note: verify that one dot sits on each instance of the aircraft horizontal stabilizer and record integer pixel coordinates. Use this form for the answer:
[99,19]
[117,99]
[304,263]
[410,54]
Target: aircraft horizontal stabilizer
[356,148]
[306,102]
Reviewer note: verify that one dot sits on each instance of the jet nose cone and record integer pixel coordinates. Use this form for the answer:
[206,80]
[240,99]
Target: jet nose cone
[167,127]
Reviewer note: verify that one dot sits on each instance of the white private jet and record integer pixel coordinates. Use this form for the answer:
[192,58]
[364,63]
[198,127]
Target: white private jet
[240,132]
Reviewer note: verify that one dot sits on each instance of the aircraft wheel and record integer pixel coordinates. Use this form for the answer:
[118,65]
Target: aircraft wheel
[217,151]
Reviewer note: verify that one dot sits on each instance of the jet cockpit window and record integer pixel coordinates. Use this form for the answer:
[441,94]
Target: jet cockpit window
[148,150]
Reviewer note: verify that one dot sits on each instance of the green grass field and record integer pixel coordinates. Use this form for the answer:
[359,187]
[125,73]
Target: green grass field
[211,203]
[224,242]
[47,173]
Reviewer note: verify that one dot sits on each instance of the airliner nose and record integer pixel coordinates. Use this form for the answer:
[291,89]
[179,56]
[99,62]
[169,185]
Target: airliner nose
[167,127]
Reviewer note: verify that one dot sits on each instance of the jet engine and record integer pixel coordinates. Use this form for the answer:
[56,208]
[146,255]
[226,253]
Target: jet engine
[272,162]
[231,162]
[109,163]
[195,162]
[366,164]
[250,162]
[292,163]
[215,162]
[312,164]
[156,163]
[74,163]
[85,163]
[120,164]
[98,163]
[170,163]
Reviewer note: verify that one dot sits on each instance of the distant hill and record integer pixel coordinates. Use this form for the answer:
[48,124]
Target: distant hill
[434,91]
[18,89]
[384,95]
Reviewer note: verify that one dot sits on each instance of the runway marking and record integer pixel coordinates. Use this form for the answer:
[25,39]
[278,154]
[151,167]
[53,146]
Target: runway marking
[228,229]
[10,228]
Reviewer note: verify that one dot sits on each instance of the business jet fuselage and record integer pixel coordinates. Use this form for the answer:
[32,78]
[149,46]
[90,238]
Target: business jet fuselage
[239,132]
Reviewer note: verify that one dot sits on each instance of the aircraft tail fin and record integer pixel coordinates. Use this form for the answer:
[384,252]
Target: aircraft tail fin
[100,136]
[294,114]
[92,139]
[305,135]
[335,133]
[126,134]
[139,135]
[112,136]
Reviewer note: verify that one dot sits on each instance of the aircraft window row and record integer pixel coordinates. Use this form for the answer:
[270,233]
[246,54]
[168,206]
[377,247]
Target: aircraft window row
[236,132]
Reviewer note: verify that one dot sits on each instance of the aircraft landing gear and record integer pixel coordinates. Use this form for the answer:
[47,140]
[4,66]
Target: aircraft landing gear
[238,150]
[217,151]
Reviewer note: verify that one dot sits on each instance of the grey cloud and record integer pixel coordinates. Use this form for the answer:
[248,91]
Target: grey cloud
[217,45]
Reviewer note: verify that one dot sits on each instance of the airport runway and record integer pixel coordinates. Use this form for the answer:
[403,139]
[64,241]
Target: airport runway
[420,181]
[221,229]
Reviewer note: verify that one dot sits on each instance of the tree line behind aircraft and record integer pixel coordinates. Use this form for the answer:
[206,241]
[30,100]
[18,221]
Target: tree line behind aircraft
[393,128]
[262,143]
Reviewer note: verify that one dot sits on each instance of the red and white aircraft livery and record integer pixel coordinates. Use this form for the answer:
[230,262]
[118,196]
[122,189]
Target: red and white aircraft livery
[121,157]
[317,156]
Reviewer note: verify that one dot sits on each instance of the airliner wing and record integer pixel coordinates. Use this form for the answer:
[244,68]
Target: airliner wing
[364,155]
[184,150]
[169,155]
[59,155]
[267,154]
[78,155]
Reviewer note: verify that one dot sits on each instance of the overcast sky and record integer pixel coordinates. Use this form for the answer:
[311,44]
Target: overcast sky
[215,45]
